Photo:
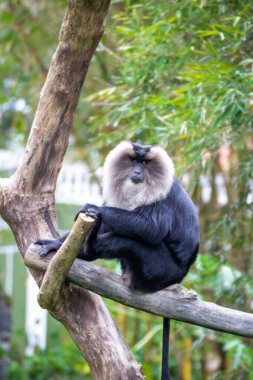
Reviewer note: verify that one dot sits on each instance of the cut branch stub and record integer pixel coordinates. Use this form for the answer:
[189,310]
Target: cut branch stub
[49,296]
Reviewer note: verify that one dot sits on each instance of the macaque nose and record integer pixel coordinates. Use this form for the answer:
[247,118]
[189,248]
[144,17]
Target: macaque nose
[137,171]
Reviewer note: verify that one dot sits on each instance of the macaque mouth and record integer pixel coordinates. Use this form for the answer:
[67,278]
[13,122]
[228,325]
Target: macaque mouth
[136,179]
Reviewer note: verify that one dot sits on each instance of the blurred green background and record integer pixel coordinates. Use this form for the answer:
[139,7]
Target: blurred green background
[174,73]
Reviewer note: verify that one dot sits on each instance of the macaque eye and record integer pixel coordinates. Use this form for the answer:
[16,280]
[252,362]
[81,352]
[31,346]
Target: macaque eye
[146,162]
[132,159]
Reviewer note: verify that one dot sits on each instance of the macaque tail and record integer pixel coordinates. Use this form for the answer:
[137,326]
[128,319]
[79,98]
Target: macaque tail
[165,350]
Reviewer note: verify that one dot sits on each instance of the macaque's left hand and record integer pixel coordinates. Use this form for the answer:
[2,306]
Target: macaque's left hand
[90,210]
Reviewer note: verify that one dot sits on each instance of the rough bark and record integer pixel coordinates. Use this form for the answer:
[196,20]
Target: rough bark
[27,198]
[175,302]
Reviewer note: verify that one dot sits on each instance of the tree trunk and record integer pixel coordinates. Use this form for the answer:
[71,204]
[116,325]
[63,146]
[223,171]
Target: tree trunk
[27,198]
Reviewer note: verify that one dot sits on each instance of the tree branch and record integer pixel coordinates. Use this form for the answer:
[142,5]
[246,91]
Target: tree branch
[174,302]
[49,296]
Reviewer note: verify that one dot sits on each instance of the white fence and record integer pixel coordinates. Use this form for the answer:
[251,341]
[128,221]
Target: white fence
[74,186]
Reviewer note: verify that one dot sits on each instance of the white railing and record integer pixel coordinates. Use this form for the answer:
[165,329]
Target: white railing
[75,186]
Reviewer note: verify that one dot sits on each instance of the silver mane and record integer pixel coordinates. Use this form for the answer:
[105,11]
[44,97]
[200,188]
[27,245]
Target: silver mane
[118,189]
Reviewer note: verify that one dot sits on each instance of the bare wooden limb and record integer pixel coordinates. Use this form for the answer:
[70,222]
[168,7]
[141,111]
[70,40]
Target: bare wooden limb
[174,302]
[49,296]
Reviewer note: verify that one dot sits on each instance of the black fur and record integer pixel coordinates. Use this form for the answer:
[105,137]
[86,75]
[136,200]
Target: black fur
[156,243]
[165,357]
